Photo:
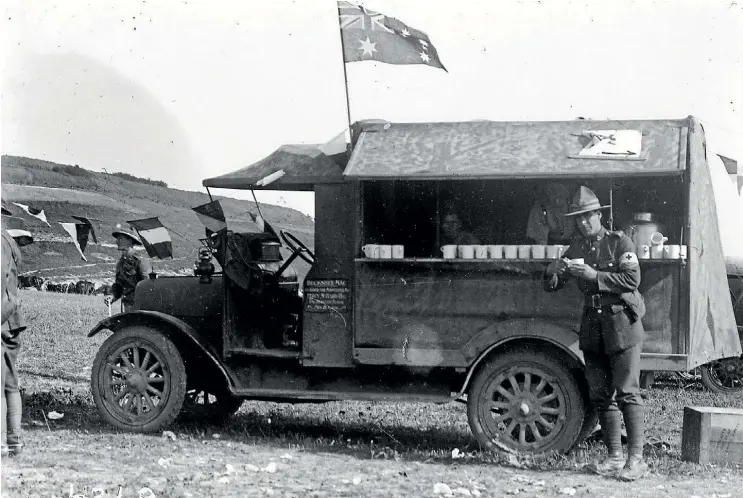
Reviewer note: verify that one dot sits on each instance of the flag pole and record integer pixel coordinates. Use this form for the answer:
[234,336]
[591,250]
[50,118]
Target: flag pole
[345,75]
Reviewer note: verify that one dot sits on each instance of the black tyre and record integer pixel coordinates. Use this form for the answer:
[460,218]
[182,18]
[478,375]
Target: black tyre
[723,376]
[522,401]
[138,380]
[214,406]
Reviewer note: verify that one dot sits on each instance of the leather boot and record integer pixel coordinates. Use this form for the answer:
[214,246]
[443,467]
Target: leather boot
[634,469]
[611,425]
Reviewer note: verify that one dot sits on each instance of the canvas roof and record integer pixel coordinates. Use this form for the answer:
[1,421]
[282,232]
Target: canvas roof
[489,149]
[303,167]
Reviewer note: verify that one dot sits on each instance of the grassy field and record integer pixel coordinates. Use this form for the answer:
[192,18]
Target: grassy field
[332,449]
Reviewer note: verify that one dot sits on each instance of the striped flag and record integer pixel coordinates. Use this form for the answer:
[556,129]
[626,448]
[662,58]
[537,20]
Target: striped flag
[36,213]
[79,234]
[155,237]
[211,216]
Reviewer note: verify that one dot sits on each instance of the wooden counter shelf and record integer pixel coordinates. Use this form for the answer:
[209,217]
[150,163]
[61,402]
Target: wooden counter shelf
[496,261]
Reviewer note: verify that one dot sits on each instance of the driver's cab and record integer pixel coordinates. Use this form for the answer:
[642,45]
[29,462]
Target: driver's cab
[262,302]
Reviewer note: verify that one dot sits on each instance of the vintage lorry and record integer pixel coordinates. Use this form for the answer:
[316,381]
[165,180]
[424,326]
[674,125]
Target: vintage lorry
[419,327]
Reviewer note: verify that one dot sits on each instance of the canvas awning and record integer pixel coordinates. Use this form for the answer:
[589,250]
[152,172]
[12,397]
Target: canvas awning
[303,166]
[487,149]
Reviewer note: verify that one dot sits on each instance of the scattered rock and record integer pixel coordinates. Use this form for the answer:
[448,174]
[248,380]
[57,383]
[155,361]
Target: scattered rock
[513,491]
[270,468]
[54,415]
[230,469]
[568,491]
[216,436]
[164,462]
[252,468]
[286,456]
[169,435]
[476,492]
[455,454]
[224,480]
[462,491]
[442,489]
[356,481]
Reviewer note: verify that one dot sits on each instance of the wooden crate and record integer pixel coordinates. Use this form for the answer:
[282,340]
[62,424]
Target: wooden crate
[712,435]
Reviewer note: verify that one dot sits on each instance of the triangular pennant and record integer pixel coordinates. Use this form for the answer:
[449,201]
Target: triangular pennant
[212,216]
[79,233]
[87,222]
[262,224]
[36,213]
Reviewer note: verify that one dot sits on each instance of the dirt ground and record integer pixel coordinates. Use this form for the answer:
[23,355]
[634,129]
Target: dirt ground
[64,461]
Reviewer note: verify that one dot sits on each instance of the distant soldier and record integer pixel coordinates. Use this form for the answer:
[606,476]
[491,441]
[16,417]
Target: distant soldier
[13,324]
[130,270]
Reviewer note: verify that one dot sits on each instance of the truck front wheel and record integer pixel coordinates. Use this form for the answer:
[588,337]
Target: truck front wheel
[138,380]
[522,401]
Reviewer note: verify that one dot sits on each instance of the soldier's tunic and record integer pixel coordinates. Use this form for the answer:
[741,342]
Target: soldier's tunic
[130,270]
[611,331]
[12,318]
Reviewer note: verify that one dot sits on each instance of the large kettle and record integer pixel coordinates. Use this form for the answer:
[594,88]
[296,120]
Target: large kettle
[641,227]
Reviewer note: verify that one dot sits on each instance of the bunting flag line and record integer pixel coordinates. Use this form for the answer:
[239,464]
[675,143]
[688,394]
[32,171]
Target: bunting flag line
[86,221]
[368,35]
[211,216]
[36,213]
[79,234]
[16,228]
[155,237]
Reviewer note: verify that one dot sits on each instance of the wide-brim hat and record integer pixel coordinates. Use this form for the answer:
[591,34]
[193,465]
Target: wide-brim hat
[584,201]
[16,228]
[123,232]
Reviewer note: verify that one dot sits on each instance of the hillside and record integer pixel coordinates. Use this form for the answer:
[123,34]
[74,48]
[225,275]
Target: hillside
[64,190]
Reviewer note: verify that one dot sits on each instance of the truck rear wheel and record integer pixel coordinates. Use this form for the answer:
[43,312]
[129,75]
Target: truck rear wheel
[723,376]
[522,401]
[138,380]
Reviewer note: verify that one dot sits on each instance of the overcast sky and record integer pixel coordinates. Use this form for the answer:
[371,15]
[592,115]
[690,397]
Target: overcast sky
[183,90]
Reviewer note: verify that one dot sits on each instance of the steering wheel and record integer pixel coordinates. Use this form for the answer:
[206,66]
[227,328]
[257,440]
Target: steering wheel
[298,248]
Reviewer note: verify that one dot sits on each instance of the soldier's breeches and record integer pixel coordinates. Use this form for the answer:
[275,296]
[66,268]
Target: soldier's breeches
[614,380]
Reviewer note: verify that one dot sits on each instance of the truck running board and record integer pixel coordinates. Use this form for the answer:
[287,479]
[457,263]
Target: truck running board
[264,353]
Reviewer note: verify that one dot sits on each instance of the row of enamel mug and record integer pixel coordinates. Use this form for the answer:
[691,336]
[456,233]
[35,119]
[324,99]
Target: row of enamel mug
[503,251]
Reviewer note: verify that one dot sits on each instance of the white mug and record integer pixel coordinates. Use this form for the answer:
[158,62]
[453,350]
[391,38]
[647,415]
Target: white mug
[682,252]
[554,252]
[656,252]
[495,252]
[578,261]
[538,251]
[371,251]
[671,252]
[385,251]
[643,252]
[466,251]
[481,252]
[398,252]
[450,252]
[524,251]
[657,239]
[511,252]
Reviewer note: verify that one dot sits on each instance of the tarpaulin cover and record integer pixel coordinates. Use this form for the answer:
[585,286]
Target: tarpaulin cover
[713,332]
[486,149]
[303,167]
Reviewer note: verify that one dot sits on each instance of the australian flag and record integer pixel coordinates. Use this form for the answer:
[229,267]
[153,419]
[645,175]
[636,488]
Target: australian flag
[370,35]
[155,237]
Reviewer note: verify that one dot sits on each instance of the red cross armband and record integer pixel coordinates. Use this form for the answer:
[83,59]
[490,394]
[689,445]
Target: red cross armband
[628,261]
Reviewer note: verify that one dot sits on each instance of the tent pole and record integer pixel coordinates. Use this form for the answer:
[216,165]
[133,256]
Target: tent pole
[611,205]
[256,204]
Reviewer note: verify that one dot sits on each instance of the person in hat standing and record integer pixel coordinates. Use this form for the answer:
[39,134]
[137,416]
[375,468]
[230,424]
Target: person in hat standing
[611,331]
[130,270]
[13,323]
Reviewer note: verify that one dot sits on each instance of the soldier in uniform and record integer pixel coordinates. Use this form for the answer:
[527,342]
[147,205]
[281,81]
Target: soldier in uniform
[130,270]
[611,331]
[13,324]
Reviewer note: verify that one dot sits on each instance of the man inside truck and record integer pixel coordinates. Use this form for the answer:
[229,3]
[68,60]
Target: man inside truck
[611,332]
[452,232]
